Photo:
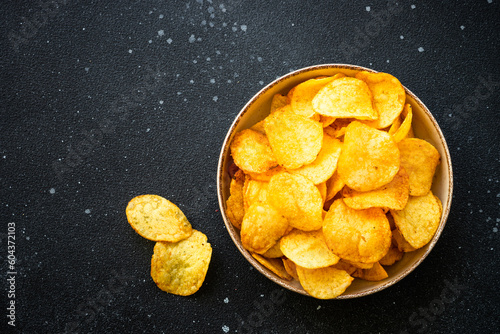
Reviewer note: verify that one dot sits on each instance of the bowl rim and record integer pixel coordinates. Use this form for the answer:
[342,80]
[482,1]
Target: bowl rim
[231,229]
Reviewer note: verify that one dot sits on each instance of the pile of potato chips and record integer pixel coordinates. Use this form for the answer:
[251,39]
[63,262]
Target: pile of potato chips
[332,185]
[181,254]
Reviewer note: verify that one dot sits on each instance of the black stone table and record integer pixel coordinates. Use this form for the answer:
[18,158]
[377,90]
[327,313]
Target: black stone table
[103,101]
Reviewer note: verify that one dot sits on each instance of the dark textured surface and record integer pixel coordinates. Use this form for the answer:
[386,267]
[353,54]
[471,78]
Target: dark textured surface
[103,102]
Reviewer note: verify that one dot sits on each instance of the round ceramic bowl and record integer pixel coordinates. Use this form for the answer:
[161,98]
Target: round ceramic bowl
[424,126]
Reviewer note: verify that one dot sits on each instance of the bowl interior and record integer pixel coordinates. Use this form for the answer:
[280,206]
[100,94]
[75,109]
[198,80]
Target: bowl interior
[424,126]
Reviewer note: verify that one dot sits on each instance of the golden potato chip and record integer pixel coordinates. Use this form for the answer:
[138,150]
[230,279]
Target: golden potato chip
[307,249]
[388,97]
[298,199]
[333,186]
[180,268]
[278,102]
[359,265]
[400,242]
[405,127]
[345,97]
[290,268]
[375,273]
[342,265]
[275,265]
[251,152]
[394,126]
[267,175]
[302,94]
[392,256]
[369,157]
[326,120]
[274,252]
[324,283]
[253,191]
[357,235]
[420,160]
[325,164]
[262,227]
[419,220]
[259,127]
[393,195]
[322,190]
[157,219]
[338,127]
[234,204]
[295,140]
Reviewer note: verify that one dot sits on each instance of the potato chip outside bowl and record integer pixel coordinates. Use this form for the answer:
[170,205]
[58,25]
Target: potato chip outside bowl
[424,126]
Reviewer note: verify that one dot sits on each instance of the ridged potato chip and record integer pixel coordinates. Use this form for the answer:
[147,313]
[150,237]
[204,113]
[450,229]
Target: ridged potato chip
[180,268]
[393,195]
[420,160]
[307,249]
[357,235]
[345,97]
[369,158]
[294,139]
[322,168]
[251,152]
[419,220]
[388,97]
[262,227]
[155,218]
[275,265]
[302,95]
[324,283]
[298,199]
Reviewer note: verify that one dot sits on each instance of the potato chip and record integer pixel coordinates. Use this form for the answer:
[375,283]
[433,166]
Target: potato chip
[298,199]
[275,265]
[267,175]
[262,227]
[333,186]
[157,219]
[253,191]
[274,252]
[180,267]
[324,283]
[234,204]
[369,157]
[259,127]
[419,220]
[302,94]
[345,97]
[278,102]
[400,242]
[393,195]
[251,152]
[325,164]
[322,190]
[404,129]
[307,249]
[388,97]
[338,127]
[420,160]
[375,273]
[359,265]
[357,235]
[295,140]
[326,120]
[342,265]
[290,268]
[392,256]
